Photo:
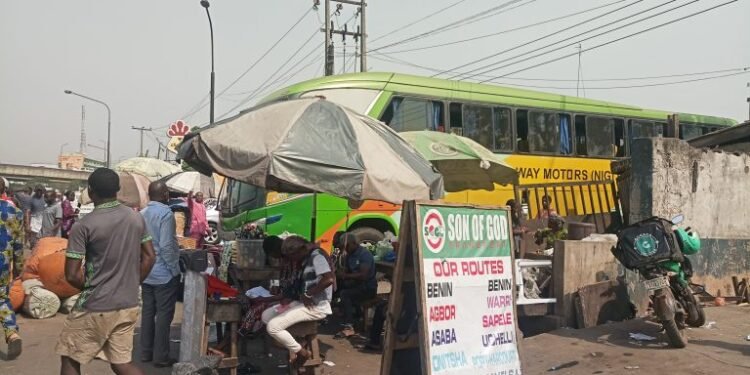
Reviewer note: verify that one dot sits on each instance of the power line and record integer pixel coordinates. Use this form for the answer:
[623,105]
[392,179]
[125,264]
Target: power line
[386,58]
[629,78]
[462,22]
[456,69]
[253,65]
[621,38]
[494,66]
[250,97]
[392,32]
[631,86]
[505,31]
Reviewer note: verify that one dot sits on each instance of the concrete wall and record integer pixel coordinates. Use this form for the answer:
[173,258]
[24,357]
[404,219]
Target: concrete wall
[710,188]
[577,264]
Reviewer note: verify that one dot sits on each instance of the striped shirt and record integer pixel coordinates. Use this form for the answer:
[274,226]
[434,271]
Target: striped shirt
[316,266]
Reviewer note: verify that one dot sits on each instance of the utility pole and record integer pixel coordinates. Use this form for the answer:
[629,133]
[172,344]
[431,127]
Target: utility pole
[141,129]
[329,30]
[82,147]
[363,35]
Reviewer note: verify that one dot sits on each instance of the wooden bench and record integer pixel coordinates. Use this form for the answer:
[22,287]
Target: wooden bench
[306,333]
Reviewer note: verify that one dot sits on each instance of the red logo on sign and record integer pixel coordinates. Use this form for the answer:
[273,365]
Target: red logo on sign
[433,230]
[178,129]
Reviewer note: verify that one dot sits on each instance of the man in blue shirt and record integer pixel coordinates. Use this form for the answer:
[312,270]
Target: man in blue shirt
[160,289]
[358,277]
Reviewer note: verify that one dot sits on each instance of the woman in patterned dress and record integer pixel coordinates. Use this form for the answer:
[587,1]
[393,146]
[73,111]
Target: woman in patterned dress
[11,248]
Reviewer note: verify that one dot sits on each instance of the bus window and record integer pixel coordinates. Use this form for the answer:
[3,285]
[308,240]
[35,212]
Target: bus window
[357,99]
[660,128]
[566,142]
[456,119]
[543,132]
[581,135]
[522,130]
[600,136]
[620,148]
[409,114]
[502,131]
[643,129]
[477,124]
[690,131]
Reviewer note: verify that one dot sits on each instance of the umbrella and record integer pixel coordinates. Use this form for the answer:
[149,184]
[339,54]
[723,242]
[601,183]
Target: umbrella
[185,182]
[464,163]
[313,145]
[152,168]
[133,190]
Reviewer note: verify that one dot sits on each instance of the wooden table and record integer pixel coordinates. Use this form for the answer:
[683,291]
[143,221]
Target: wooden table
[385,267]
[250,277]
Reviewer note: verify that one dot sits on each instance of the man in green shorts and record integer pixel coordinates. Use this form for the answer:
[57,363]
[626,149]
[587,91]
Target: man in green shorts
[116,247]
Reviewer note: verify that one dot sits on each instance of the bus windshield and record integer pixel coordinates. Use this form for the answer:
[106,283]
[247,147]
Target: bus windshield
[242,197]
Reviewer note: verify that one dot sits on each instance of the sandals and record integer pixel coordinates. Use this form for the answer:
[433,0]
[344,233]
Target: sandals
[15,346]
[345,332]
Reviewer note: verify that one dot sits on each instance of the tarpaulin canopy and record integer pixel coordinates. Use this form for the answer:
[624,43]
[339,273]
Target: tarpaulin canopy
[313,145]
[464,163]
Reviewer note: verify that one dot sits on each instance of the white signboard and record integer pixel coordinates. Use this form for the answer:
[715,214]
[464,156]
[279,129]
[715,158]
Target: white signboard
[467,291]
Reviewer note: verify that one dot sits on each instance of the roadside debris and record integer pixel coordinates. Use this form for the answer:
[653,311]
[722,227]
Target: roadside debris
[641,337]
[632,367]
[563,366]
[710,325]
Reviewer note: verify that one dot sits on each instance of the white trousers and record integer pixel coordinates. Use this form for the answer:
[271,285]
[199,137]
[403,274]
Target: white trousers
[277,323]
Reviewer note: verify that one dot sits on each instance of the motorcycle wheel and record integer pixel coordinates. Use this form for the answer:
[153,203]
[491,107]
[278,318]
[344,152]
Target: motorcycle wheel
[676,336]
[699,320]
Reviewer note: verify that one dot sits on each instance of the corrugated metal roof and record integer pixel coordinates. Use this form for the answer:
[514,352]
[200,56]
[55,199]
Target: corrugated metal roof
[724,137]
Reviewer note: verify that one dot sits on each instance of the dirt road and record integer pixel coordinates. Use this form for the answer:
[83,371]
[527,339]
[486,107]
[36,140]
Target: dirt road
[607,349]
[721,350]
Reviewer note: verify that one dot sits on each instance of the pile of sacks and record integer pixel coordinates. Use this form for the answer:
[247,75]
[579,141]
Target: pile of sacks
[42,290]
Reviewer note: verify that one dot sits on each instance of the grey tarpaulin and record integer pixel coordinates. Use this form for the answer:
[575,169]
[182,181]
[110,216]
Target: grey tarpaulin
[313,145]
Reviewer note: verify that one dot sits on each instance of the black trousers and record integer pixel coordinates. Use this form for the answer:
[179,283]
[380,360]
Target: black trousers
[378,321]
[351,297]
[156,319]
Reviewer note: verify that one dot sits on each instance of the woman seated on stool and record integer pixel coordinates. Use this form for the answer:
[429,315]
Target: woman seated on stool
[314,289]
[254,307]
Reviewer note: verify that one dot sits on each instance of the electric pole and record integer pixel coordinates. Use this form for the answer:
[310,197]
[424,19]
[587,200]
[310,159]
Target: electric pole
[141,129]
[82,147]
[329,30]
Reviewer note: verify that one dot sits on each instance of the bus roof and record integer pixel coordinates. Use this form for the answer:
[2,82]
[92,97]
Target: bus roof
[468,91]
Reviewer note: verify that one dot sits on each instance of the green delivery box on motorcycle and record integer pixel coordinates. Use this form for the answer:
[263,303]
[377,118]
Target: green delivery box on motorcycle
[647,242]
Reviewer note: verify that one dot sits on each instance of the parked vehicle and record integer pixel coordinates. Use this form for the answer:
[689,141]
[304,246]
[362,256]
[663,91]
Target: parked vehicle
[213,217]
[657,249]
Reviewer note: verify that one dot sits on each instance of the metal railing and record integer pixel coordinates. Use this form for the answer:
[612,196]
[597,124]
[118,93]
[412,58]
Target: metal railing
[596,202]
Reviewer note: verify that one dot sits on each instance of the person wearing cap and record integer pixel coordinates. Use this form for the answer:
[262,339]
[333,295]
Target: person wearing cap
[555,231]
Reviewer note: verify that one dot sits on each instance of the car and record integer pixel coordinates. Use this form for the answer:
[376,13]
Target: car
[212,215]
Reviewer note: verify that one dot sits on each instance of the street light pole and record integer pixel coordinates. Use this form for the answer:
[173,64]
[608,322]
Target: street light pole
[109,121]
[205,4]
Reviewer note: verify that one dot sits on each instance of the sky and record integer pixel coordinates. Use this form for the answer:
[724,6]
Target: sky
[150,60]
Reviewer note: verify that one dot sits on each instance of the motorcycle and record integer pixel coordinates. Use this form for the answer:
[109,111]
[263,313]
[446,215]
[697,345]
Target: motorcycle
[657,249]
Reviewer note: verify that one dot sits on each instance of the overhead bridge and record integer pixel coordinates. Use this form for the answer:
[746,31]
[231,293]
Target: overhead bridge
[22,175]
